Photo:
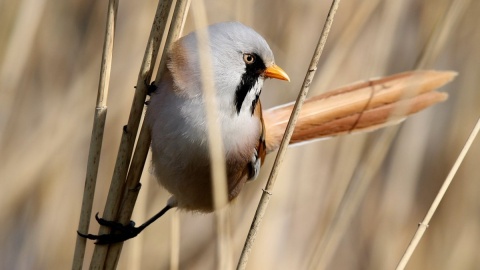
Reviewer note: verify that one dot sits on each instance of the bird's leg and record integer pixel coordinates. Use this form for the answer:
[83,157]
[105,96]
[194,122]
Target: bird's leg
[122,232]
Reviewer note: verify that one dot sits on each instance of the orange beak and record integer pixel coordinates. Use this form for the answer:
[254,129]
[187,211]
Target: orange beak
[276,72]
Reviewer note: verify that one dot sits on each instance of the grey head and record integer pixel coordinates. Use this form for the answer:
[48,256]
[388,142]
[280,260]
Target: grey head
[239,57]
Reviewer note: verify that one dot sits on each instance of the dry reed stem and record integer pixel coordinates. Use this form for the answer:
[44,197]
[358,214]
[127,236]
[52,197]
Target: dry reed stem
[391,16]
[131,190]
[361,181]
[346,154]
[348,36]
[16,56]
[175,242]
[366,171]
[97,135]
[38,159]
[351,199]
[422,226]
[442,31]
[431,51]
[135,250]
[376,112]
[267,192]
[335,229]
[138,161]
[215,141]
[176,28]
[117,185]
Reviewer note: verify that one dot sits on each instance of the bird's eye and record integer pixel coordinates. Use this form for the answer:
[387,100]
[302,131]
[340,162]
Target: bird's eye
[249,58]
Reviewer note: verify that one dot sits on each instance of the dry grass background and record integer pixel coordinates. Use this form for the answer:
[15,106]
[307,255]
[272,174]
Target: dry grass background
[49,65]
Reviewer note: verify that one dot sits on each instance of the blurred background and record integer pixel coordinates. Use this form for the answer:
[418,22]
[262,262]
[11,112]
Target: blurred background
[49,70]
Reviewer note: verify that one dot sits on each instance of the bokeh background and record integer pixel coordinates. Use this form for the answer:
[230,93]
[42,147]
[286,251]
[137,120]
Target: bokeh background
[49,69]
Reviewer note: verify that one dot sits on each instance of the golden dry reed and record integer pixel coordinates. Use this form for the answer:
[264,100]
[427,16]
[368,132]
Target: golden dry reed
[50,60]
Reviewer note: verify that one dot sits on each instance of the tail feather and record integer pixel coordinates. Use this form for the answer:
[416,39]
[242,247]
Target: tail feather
[363,106]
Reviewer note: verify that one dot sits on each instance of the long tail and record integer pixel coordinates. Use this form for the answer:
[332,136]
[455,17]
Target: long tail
[362,106]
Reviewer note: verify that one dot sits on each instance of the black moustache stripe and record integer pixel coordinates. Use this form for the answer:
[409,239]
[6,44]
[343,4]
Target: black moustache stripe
[254,103]
[249,79]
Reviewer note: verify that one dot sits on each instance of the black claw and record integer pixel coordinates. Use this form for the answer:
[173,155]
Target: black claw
[119,233]
[122,232]
[106,239]
[112,224]
[89,236]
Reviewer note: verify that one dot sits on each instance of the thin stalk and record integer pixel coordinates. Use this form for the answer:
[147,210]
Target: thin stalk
[349,35]
[131,193]
[431,51]
[175,241]
[131,187]
[441,32]
[117,185]
[215,141]
[97,135]
[267,192]
[176,28]
[422,226]
[19,45]
[358,184]
[350,201]
[143,143]
[134,252]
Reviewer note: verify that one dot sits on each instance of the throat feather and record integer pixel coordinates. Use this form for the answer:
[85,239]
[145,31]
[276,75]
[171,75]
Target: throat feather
[250,81]
[254,102]
[246,85]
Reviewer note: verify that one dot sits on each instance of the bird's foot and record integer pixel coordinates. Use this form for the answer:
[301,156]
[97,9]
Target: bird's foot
[119,232]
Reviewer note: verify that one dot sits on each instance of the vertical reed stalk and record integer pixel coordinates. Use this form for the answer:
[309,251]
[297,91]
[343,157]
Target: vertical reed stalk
[439,37]
[267,192]
[175,242]
[176,28]
[442,31]
[136,249]
[333,234]
[97,135]
[132,184]
[117,185]
[351,199]
[364,173]
[422,226]
[215,141]
[14,61]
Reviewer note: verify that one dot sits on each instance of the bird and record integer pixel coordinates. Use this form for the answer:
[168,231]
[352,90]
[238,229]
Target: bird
[241,62]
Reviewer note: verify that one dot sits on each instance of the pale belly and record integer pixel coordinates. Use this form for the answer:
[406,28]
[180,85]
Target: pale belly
[180,155]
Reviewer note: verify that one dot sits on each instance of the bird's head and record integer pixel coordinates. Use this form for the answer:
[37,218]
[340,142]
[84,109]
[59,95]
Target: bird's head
[241,59]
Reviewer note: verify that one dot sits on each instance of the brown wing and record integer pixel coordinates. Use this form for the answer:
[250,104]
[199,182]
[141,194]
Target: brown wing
[239,171]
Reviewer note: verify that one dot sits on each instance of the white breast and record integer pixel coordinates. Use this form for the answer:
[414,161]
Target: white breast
[179,139]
